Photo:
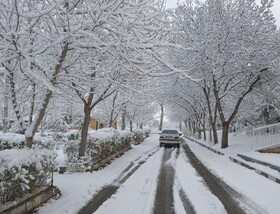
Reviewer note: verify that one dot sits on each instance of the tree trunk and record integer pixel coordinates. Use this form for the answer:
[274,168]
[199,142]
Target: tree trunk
[84,133]
[227,122]
[123,120]
[215,134]
[203,124]
[225,135]
[112,118]
[210,134]
[130,126]
[204,130]
[199,132]
[180,124]
[212,118]
[194,128]
[204,134]
[31,130]
[185,123]
[29,141]
[6,108]
[190,126]
[110,123]
[32,104]
[161,117]
[14,99]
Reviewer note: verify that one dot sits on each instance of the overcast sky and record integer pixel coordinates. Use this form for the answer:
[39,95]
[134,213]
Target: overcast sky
[275,9]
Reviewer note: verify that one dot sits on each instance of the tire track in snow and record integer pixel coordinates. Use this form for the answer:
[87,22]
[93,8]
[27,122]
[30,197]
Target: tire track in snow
[216,186]
[107,191]
[125,174]
[164,203]
[144,199]
[246,204]
[186,203]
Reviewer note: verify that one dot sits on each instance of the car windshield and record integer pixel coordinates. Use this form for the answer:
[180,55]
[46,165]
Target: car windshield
[169,132]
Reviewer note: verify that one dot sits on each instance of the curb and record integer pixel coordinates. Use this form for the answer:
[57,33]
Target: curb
[270,177]
[207,147]
[241,163]
[259,162]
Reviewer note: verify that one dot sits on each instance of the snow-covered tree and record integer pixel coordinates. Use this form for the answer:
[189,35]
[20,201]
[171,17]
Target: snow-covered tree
[234,47]
[35,41]
[117,51]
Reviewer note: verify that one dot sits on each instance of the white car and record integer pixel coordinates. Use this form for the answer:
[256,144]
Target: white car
[169,137]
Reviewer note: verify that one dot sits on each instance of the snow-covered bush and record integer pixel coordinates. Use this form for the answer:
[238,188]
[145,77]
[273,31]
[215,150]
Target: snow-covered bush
[24,170]
[11,141]
[74,162]
[101,144]
[138,135]
[55,124]
[147,132]
[73,135]
[125,136]
[17,141]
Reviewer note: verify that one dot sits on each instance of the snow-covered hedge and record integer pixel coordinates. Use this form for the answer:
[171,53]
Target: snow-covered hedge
[17,141]
[101,144]
[23,171]
[140,134]
[73,135]
[11,141]
[147,132]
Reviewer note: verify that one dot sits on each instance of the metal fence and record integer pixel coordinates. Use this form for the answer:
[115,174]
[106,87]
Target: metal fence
[267,135]
[267,130]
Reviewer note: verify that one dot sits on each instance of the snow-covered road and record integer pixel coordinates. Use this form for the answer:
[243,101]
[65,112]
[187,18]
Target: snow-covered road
[135,180]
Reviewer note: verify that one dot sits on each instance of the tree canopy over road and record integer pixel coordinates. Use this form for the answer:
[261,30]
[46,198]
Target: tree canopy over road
[212,64]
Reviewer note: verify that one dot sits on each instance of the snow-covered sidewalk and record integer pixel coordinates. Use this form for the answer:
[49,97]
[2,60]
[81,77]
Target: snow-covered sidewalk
[78,188]
[244,145]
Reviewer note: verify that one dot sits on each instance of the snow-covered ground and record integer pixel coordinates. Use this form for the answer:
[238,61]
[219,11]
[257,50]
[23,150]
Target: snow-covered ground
[257,189]
[137,193]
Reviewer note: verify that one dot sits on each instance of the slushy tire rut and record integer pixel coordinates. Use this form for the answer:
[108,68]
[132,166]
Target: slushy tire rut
[216,186]
[98,199]
[164,196]
[106,192]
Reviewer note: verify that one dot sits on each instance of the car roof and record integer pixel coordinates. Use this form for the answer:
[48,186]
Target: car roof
[170,130]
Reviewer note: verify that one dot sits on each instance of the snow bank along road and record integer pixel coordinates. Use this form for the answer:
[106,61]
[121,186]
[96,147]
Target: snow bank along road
[168,181]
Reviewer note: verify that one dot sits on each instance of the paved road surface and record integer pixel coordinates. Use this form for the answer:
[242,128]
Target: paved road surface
[164,202]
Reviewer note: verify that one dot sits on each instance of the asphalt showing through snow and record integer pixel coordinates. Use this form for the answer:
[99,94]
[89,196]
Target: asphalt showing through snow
[214,184]
[106,192]
[233,201]
[164,195]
